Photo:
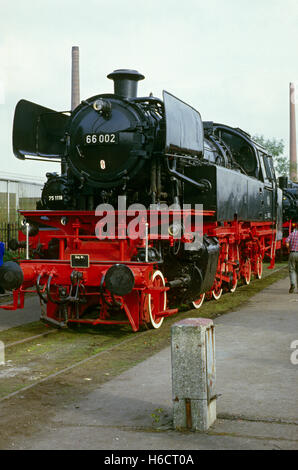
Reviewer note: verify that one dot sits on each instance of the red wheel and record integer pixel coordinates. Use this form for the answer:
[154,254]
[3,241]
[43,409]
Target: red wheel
[199,302]
[157,302]
[216,293]
[259,267]
[247,271]
[234,282]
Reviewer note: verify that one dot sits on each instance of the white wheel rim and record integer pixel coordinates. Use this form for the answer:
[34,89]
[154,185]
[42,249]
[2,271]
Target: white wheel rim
[232,289]
[217,296]
[160,321]
[198,303]
[234,285]
[260,268]
[248,276]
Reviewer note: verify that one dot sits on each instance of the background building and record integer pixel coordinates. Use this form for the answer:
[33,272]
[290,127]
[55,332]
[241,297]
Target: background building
[17,192]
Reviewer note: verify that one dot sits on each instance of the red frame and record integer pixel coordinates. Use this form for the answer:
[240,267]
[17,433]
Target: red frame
[243,246]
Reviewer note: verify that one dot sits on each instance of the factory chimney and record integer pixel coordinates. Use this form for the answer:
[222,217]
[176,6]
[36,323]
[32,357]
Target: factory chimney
[293,149]
[75,90]
[75,78]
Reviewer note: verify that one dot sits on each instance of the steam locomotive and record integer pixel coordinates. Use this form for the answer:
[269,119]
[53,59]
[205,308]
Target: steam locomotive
[223,209]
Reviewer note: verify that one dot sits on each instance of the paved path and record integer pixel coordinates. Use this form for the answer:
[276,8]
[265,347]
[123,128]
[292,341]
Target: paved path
[257,407]
[11,318]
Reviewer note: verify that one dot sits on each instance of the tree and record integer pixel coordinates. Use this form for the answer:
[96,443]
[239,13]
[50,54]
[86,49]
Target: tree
[275,148]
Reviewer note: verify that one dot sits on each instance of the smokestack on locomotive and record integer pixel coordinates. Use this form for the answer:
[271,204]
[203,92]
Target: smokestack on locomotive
[126,82]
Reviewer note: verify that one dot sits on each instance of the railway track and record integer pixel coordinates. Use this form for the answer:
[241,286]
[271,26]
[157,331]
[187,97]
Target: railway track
[67,369]
[48,355]
[30,338]
[36,358]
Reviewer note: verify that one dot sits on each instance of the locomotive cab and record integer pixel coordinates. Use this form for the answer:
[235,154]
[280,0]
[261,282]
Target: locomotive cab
[243,152]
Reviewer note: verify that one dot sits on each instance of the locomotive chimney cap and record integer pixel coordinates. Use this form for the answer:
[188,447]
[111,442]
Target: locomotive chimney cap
[126,82]
[126,74]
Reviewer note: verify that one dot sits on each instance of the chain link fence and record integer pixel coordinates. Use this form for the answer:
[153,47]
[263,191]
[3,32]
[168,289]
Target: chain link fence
[9,231]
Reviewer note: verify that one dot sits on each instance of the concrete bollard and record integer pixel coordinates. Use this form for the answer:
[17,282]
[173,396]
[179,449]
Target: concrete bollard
[193,374]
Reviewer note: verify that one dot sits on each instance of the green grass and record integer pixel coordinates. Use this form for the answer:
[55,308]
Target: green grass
[22,332]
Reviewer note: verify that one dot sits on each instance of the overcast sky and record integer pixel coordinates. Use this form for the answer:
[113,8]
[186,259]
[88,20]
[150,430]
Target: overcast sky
[230,59]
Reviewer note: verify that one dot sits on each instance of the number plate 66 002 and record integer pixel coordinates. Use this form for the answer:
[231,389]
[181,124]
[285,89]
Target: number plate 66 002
[95,139]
